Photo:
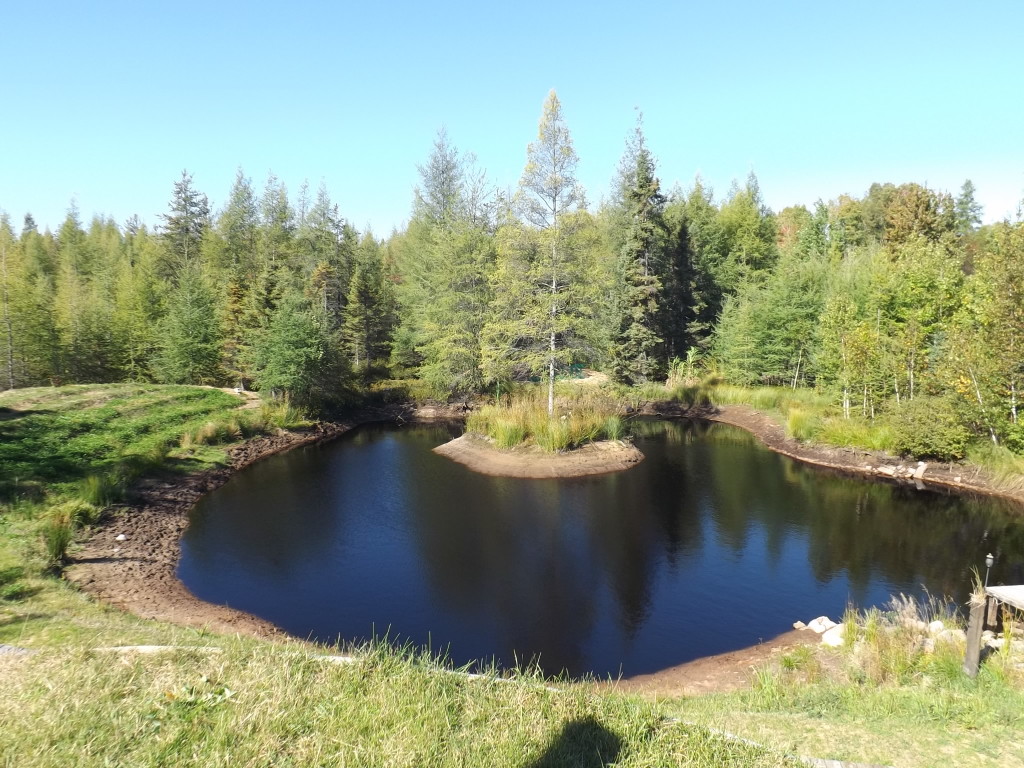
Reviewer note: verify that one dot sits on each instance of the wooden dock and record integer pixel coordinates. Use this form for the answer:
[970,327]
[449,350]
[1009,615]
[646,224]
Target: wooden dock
[983,613]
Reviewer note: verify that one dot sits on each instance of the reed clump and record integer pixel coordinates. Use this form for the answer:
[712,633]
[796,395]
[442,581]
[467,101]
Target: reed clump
[522,419]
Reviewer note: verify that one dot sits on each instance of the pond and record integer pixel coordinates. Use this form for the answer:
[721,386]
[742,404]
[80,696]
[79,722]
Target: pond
[711,544]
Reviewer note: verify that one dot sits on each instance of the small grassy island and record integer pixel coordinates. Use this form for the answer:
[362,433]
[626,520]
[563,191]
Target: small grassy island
[517,437]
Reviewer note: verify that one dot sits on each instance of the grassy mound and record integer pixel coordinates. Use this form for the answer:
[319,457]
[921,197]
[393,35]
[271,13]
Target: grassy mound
[581,416]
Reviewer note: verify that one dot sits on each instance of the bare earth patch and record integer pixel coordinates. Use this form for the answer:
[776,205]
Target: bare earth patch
[481,455]
[721,673]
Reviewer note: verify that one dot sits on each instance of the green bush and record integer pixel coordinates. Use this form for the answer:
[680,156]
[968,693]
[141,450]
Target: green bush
[928,427]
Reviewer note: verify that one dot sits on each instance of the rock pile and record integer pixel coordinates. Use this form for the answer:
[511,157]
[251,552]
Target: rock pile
[929,635]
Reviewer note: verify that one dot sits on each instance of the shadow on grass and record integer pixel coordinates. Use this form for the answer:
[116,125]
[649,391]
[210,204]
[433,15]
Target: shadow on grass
[24,618]
[581,744]
[10,414]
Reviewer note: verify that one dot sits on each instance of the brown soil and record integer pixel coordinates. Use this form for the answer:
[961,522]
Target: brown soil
[480,455]
[138,573]
[721,673]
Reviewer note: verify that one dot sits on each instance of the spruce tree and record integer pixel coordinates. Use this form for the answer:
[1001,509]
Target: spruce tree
[184,224]
[636,355]
[190,341]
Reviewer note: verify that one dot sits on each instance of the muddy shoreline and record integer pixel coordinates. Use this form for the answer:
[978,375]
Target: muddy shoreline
[138,573]
[480,455]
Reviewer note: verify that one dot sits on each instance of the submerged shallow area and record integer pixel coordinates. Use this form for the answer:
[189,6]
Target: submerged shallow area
[712,543]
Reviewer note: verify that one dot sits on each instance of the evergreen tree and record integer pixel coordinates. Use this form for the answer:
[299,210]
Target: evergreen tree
[6,291]
[968,210]
[289,356]
[636,357]
[369,308]
[190,342]
[184,225]
[543,300]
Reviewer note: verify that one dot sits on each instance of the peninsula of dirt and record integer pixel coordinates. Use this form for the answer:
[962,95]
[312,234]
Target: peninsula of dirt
[481,455]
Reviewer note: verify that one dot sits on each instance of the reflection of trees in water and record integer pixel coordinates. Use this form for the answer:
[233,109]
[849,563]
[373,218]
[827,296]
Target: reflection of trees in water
[867,530]
[278,514]
[504,550]
[525,565]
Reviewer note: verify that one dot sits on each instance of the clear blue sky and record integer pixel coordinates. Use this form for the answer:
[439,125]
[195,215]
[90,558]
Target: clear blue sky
[106,102]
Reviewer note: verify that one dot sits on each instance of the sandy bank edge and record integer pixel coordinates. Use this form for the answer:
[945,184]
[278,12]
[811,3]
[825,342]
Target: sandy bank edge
[481,456]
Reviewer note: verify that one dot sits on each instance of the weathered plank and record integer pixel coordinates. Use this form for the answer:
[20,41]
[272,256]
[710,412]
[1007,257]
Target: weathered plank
[1012,595]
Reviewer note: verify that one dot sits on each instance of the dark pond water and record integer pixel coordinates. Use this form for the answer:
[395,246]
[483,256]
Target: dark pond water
[713,543]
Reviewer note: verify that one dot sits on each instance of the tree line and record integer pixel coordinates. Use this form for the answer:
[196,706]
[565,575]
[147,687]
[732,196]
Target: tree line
[895,302]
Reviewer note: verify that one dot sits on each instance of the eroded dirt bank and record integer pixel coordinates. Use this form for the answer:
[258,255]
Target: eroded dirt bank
[137,574]
[481,456]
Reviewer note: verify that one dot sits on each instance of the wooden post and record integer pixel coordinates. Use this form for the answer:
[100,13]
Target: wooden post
[972,657]
[992,615]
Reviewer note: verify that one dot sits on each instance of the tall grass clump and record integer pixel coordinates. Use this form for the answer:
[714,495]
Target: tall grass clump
[57,531]
[102,489]
[508,433]
[282,414]
[581,417]
[1005,467]
[614,427]
[857,433]
[802,424]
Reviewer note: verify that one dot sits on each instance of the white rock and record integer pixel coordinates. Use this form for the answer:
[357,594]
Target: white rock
[821,624]
[952,636]
[957,479]
[935,627]
[834,637]
[996,642]
[120,537]
[799,625]
[988,634]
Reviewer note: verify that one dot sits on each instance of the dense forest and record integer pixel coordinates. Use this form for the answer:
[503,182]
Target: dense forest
[895,304]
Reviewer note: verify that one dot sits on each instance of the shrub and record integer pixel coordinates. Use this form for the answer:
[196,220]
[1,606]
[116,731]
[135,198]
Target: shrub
[928,427]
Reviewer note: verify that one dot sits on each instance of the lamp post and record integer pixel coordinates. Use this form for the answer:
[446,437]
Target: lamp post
[988,566]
